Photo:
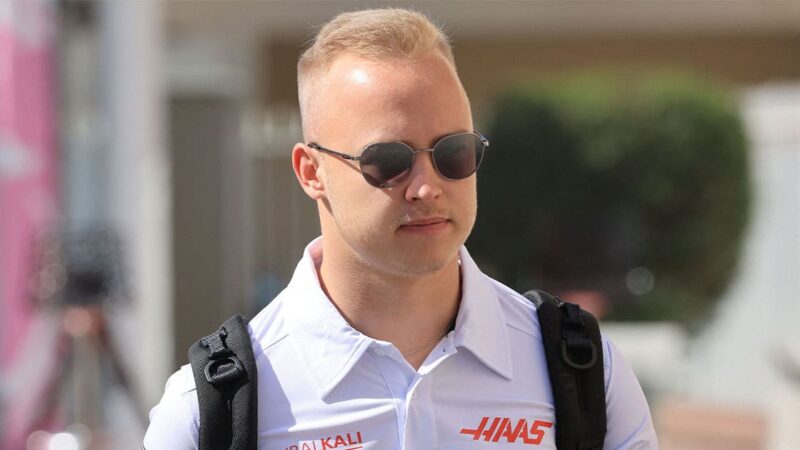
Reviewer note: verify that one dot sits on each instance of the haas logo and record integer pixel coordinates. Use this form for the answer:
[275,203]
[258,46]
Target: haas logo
[505,428]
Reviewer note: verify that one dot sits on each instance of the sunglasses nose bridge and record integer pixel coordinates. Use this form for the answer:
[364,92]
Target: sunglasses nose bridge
[424,181]
[415,159]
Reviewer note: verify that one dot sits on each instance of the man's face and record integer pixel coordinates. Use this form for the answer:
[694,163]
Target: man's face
[414,227]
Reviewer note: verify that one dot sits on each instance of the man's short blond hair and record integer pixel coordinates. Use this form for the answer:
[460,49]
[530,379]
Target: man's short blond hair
[372,34]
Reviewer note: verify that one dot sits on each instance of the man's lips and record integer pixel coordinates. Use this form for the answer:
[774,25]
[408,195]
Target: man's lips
[425,225]
[424,222]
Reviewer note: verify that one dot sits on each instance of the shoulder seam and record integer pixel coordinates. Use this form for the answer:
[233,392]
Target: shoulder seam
[262,349]
[527,332]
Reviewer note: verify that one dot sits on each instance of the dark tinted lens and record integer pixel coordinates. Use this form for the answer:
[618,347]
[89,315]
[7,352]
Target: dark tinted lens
[384,165]
[458,156]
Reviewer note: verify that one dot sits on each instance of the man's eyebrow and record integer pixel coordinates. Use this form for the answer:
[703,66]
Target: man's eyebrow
[429,145]
[457,131]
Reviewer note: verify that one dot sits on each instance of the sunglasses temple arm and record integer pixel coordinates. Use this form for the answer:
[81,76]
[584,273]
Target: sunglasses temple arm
[334,152]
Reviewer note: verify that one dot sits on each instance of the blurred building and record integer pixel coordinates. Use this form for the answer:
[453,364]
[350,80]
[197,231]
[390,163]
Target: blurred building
[179,118]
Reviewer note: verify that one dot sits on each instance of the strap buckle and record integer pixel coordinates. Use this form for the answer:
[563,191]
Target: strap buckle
[572,346]
[223,365]
[223,370]
[577,350]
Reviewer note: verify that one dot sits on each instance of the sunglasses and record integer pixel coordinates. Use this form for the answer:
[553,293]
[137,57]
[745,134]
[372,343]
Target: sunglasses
[386,164]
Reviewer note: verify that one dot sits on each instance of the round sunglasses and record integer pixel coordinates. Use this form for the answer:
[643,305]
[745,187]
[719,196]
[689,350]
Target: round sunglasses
[386,164]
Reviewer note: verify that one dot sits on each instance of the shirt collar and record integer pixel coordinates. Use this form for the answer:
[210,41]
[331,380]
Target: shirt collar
[480,324]
[331,347]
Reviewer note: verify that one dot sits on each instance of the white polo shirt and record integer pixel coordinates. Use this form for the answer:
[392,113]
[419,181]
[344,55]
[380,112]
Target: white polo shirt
[324,385]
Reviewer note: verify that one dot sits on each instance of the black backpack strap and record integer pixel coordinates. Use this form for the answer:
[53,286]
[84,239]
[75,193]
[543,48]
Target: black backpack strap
[225,374]
[574,353]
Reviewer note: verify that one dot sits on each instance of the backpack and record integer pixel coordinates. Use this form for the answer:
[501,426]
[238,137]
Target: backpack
[225,374]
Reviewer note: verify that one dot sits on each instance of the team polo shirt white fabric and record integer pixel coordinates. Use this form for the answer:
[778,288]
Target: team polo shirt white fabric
[324,385]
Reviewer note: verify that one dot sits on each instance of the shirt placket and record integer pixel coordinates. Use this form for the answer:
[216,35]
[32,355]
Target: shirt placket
[399,378]
[421,432]
[410,390]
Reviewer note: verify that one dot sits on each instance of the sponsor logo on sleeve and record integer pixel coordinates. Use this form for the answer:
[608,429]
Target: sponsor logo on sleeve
[495,429]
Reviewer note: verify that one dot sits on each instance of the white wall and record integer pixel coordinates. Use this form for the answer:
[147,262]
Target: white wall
[740,359]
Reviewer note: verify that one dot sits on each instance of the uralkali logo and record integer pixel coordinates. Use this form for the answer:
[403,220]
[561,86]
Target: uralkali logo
[509,431]
[348,441]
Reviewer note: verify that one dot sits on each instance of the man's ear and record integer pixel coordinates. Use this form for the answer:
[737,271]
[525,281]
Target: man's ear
[307,170]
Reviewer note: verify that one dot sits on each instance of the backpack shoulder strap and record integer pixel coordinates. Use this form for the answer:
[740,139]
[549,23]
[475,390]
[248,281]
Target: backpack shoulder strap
[574,353]
[225,374]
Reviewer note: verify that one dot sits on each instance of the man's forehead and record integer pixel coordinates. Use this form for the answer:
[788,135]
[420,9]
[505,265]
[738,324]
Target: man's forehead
[381,98]
[361,69]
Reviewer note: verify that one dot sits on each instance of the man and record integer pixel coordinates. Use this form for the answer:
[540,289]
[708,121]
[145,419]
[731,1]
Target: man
[388,336]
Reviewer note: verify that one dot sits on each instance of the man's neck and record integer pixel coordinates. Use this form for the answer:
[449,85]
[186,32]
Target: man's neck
[412,312]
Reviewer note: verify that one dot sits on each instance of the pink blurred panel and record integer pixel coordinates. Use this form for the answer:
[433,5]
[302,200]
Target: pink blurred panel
[6,72]
[28,198]
[28,175]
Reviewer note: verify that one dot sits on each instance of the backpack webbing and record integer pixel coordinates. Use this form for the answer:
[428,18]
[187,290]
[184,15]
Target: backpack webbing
[574,353]
[227,387]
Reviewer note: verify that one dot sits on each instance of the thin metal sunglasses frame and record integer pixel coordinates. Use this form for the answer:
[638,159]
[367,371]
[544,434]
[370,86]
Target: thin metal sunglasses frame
[484,142]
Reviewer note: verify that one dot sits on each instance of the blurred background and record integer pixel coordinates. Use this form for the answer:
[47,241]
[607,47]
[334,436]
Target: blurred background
[644,163]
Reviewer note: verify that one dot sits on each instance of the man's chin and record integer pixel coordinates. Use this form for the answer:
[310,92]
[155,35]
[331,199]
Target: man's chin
[425,261]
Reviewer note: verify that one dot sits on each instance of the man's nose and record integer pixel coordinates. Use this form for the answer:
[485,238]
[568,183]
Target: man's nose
[424,181]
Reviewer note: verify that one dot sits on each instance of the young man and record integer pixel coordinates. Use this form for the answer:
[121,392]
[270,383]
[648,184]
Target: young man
[388,336]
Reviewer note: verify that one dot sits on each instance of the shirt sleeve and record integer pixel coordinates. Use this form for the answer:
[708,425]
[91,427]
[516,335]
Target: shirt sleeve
[630,426]
[174,421]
